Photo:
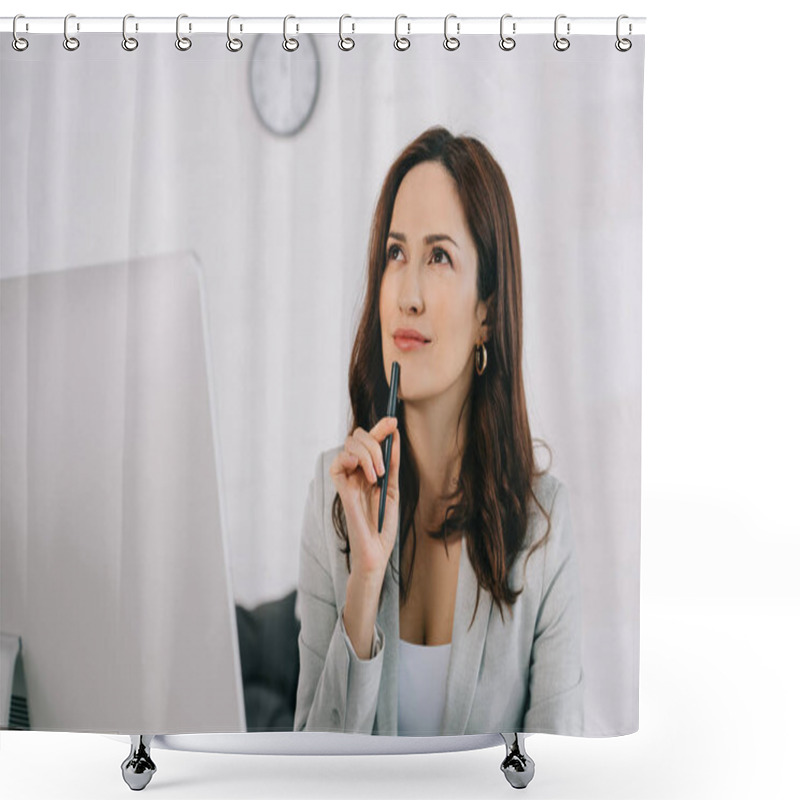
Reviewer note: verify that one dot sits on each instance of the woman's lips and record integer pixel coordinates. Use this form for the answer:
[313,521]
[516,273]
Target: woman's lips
[406,344]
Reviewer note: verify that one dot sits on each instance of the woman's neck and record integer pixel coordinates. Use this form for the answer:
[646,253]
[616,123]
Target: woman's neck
[437,441]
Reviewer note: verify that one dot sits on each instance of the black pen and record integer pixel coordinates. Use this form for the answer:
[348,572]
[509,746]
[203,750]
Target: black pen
[387,442]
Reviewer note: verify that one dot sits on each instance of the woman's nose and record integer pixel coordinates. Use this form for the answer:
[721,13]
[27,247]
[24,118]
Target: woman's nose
[410,293]
[410,303]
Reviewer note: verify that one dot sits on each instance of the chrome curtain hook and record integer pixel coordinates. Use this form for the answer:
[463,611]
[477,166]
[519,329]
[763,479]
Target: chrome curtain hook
[623,45]
[182,42]
[128,42]
[507,42]
[290,45]
[451,42]
[18,43]
[70,42]
[346,43]
[561,43]
[234,45]
[400,42]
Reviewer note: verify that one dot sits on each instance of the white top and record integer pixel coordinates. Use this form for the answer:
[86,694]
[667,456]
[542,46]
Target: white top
[421,680]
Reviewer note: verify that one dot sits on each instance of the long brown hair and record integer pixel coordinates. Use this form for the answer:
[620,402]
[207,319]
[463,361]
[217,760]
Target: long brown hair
[498,469]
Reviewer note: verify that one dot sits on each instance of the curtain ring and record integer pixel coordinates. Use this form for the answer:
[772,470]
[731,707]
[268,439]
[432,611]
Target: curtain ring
[346,43]
[561,43]
[451,42]
[400,42]
[128,42]
[182,42]
[18,43]
[70,42]
[623,45]
[507,42]
[234,45]
[290,45]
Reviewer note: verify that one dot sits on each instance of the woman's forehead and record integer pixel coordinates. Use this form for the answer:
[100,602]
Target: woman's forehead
[427,202]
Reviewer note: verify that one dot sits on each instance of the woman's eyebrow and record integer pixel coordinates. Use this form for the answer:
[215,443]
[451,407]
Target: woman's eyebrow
[429,239]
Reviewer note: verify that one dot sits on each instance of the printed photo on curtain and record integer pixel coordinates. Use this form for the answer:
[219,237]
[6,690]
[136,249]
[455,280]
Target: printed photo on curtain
[321,385]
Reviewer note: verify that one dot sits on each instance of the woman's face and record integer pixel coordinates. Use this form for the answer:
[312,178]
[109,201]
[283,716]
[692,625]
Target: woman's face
[430,285]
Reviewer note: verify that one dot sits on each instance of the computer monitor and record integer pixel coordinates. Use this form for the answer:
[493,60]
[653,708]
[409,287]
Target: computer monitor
[113,557]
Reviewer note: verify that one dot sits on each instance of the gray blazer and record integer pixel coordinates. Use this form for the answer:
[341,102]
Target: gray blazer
[523,675]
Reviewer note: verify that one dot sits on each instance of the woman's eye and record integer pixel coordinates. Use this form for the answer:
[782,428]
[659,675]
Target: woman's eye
[439,251]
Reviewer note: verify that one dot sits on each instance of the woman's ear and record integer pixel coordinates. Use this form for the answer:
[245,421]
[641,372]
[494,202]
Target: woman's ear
[486,316]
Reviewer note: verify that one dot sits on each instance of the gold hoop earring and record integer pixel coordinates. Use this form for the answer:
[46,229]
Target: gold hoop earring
[480,362]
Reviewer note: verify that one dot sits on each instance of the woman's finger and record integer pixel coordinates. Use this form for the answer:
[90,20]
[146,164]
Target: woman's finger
[358,448]
[374,448]
[383,427]
[344,461]
[349,461]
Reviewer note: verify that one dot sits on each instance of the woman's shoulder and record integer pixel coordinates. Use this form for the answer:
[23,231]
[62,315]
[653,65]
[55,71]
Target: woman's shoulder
[322,464]
[321,481]
[548,538]
[319,537]
[545,487]
[552,499]
[322,486]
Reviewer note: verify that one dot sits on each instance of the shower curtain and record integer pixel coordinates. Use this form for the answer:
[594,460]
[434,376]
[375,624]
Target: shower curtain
[219,511]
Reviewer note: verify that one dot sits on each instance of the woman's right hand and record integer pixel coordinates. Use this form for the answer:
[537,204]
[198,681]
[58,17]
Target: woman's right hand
[355,472]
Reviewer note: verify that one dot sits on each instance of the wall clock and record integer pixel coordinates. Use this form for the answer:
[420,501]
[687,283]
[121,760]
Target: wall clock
[283,85]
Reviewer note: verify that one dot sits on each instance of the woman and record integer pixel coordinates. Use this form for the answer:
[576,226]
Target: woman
[476,627]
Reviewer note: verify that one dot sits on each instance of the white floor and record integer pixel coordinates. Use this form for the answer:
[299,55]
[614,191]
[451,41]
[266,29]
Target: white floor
[719,702]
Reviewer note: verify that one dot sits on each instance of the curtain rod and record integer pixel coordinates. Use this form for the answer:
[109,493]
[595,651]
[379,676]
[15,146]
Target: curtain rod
[459,26]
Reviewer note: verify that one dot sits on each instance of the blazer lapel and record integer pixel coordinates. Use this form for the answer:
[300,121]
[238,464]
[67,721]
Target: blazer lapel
[466,652]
